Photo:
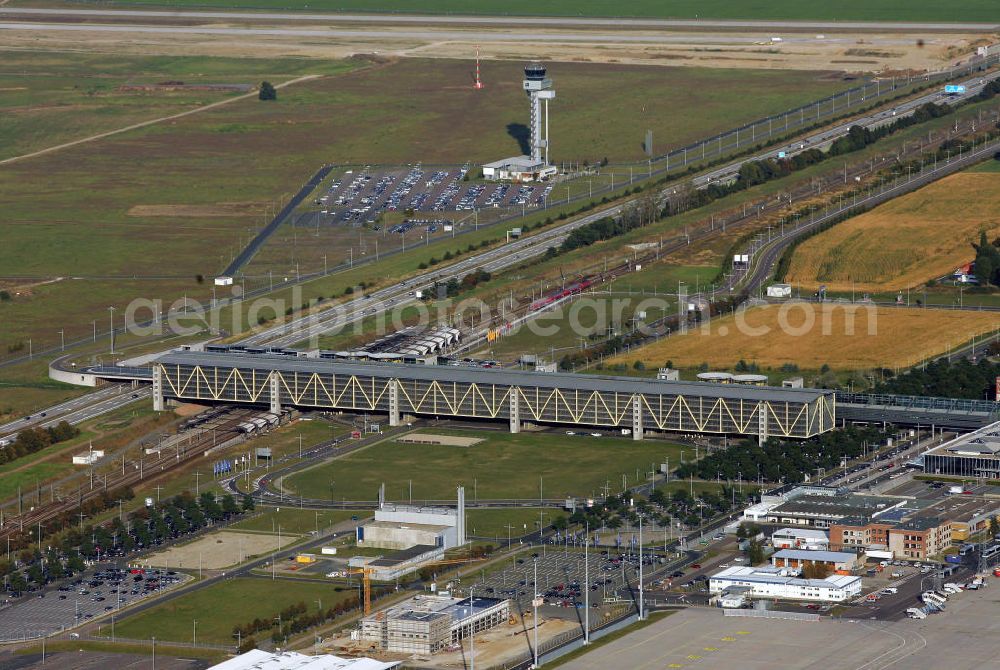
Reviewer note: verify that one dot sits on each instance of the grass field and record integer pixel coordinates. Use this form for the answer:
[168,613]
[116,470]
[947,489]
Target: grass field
[215,172]
[920,236]
[492,523]
[857,10]
[49,97]
[297,521]
[812,335]
[989,166]
[503,466]
[221,606]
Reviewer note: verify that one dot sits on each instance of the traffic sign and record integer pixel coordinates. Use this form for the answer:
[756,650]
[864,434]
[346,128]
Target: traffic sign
[954,88]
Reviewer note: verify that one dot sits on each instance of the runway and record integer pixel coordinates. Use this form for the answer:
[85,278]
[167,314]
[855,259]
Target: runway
[435,35]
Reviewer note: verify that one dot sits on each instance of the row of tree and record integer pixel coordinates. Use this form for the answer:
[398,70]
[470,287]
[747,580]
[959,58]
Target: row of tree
[949,379]
[33,440]
[783,461]
[147,526]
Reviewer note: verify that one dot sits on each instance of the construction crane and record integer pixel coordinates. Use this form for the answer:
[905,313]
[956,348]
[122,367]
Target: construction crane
[366,576]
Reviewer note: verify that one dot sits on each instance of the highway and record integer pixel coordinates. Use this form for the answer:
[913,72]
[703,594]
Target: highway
[506,21]
[78,410]
[520,250]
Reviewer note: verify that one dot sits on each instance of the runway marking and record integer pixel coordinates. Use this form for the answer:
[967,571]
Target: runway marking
[675,665]
[693,657]
[728,638]
[710,648]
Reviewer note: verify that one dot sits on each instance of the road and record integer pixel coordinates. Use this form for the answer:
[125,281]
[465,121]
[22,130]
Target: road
[79,409]
[506,21]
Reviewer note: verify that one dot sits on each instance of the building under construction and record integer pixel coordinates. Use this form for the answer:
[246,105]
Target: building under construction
[427,624]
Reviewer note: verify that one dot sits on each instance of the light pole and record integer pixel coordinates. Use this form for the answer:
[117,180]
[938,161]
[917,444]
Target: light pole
[194,632]
[472,631]
[534,621]
[642,613]
[111,311]
[586,586]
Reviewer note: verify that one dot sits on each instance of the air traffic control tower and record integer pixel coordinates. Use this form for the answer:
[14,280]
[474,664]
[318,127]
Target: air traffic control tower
[539,88]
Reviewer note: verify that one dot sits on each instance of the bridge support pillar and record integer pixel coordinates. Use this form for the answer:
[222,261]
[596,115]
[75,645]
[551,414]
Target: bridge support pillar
[761,423]
[515,406]
[394,402]
[158,404]
[637,433]
[275,395]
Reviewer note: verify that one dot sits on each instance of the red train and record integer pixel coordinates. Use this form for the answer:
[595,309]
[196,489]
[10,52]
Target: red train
[572,289]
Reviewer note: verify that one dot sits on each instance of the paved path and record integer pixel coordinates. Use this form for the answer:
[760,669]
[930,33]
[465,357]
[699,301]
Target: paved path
[150,122]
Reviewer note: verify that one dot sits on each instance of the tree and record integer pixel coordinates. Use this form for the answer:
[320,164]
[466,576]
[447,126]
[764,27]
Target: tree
[267,91]
[5,296]
[814,570]
[994,526]
[755,553]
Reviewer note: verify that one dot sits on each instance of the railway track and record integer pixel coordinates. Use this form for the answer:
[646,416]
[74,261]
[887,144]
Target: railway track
[21,526]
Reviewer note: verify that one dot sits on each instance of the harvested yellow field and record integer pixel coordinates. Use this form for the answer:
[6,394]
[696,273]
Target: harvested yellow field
[810,335]
[902,244]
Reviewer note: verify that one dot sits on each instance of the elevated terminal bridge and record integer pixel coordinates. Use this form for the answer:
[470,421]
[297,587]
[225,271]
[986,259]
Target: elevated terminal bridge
[512,396]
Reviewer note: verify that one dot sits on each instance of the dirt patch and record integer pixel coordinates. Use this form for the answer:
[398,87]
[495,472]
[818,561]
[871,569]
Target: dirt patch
[446,440]
[187,409]
[222,209]
[218,550]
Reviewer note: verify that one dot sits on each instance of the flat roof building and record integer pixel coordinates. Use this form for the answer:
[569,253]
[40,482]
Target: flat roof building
[427,624]
[976,454]
[838,561]
[258,659]
[799,538]
[770,582]
[518,168]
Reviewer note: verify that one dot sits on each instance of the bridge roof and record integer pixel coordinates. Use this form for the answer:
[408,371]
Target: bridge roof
[502,377]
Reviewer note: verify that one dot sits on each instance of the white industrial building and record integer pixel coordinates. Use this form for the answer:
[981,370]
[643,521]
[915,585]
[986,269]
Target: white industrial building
[518,168]
[404,526]
[779,291]
[257,659]
[800,538]
[427,624]
[768,582]
[88,457]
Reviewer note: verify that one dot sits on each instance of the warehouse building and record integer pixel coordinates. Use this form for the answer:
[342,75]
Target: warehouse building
[427,624]
[821,511]
[404,526]
[840,562]
[976,454]
[257,659]
[771,582]
[800,538]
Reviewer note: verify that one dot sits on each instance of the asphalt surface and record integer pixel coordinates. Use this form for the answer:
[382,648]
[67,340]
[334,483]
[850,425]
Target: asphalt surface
[80,409]
[550,21]
[48,611]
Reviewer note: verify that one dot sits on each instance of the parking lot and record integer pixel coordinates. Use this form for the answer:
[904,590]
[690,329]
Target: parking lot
[562,576]
[357,197]
[75,601]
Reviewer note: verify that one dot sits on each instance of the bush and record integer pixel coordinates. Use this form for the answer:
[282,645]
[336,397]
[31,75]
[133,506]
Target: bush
[267,91]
